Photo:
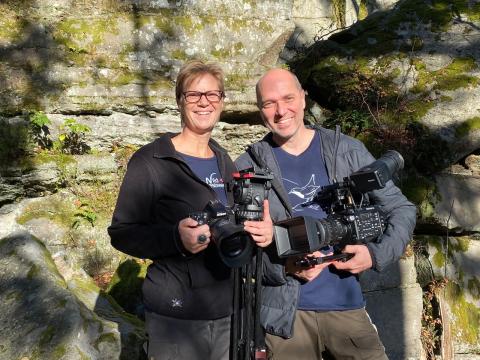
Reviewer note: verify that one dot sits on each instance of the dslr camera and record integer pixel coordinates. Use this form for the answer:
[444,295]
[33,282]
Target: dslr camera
[250,188]
[350,218]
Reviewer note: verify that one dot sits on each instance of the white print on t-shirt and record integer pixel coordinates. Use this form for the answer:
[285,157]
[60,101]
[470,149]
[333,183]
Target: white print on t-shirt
[304,193]
[214,181]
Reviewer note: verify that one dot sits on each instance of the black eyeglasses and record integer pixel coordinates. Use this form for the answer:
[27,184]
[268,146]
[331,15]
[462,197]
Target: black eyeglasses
[195,96]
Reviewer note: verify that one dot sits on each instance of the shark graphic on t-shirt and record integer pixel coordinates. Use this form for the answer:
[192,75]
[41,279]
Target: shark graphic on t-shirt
[304,193]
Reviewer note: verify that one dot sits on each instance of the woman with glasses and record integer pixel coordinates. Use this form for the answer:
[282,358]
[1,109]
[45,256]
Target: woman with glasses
[188,291]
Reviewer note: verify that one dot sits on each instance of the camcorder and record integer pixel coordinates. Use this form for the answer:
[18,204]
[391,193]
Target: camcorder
[350,218]
[250,188]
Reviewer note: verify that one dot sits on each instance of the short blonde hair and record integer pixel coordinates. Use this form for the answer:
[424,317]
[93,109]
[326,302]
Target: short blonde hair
[191,70]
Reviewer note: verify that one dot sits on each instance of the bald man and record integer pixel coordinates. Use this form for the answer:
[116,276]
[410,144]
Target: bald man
[307,313]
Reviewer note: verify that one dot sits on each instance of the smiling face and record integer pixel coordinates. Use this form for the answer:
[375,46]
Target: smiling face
[282,102]
[200,117]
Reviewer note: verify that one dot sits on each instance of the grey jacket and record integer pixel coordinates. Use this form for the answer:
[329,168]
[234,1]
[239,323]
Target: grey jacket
[342,155]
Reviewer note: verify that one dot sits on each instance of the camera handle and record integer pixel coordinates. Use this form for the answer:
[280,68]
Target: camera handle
[310,261]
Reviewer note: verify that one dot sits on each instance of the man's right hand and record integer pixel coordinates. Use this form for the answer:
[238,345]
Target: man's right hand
[307,274]
[190,233]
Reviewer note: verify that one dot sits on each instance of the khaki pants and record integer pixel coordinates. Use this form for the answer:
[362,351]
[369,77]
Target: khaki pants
[343,334]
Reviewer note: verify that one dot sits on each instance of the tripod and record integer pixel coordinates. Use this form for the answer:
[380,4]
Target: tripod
[248,342]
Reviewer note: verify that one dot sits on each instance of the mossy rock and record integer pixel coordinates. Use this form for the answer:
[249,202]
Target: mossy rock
[11,27]
[356,71]
[468,126]
[466,318]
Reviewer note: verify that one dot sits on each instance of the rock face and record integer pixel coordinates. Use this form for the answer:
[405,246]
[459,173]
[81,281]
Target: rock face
[124,56]
[394,302]
[457,259]
[420,66]
[38,308]
[403,76]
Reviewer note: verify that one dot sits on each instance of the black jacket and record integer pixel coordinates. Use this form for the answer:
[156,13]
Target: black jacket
[159,190]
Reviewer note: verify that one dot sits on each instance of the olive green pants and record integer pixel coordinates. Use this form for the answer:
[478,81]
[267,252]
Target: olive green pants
[340,335]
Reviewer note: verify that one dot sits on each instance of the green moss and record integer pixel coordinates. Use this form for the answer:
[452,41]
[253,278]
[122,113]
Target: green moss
[265,27]
[209,20]
[221,53]
[362,10]
[179,54]
[416,109]
[59,352]
[124,78]
[436,13]
[424,78]
[53,209]
[86,285]
[188,24]
[236,25]
[33,272]
[473,286]
[461,245]
[453,76]
[439,259]
[62,160]
[11,28]
[437,243]
[236,80]
[339,11]
[455,245]
[109,338]
[81,37]
[467,127]
[229,51]
[466,324]
[421,191]
[469,8]
[455,82]
[46,336]
[76,30]
[357,83]
[164,24]
[161,84]
[82,355]
[14,296]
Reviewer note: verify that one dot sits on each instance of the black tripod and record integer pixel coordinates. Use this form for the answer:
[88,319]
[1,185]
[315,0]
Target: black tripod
[248,342]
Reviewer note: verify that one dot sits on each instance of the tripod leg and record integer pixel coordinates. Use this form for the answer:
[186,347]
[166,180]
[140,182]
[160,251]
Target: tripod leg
[234,346]
[259,347]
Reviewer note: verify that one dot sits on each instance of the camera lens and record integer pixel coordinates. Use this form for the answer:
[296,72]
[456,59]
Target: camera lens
[393,160]
[233,243]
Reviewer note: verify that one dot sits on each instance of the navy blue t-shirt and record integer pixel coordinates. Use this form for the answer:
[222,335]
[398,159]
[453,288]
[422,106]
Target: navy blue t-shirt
[303,176]
[207,170]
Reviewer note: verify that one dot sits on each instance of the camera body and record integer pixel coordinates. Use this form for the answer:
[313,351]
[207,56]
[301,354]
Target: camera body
[250,188]
[346,222]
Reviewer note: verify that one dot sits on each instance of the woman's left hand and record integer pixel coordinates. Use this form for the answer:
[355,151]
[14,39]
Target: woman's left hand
[261,231]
